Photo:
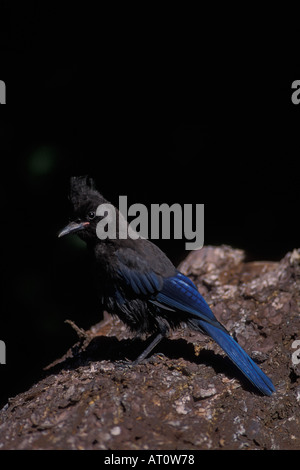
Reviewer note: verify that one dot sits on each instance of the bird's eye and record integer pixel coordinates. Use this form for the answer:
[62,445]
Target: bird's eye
[91,215]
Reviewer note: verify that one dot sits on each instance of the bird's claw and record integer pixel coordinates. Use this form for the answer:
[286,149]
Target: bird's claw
[124,364]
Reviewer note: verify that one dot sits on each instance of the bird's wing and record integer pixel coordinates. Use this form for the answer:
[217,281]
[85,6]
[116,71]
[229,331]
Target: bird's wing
[180,293]
[137,274]
[173,293]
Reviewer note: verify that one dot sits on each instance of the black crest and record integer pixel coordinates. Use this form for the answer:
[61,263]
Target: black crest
[83,190]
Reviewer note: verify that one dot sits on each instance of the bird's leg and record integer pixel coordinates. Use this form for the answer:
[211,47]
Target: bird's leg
[148,350]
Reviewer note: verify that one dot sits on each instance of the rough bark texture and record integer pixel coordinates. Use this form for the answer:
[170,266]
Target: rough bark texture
[189,397]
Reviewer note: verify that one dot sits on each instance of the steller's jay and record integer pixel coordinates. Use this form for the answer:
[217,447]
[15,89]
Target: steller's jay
[142,287]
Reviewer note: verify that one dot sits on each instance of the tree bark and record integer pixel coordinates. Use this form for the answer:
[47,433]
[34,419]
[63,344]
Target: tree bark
[189,396]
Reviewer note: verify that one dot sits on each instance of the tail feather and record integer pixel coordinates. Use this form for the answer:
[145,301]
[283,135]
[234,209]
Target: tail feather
[240,358]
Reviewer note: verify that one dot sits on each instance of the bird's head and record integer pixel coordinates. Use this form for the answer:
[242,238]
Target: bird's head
[84,199]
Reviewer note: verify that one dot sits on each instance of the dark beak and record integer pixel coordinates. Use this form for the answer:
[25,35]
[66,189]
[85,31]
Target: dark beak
[72,227]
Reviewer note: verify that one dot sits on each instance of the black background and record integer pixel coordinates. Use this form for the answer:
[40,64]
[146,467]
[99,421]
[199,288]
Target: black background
[147,116]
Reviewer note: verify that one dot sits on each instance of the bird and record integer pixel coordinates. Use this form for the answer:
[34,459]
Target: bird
[139,284]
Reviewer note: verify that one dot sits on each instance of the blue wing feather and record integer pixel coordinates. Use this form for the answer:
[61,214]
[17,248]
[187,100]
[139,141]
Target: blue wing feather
[146,284]
[179,292]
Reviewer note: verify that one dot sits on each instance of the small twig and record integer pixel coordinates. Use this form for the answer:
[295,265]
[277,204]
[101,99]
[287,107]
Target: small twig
[84,336]
[84,340]
[80,332]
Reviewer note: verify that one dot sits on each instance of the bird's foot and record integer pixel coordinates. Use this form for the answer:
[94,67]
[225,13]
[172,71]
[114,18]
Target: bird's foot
[157,356]
[124,363]
[127,364]
[147,360]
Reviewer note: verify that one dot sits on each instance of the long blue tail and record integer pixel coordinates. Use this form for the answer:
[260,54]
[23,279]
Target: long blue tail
[240,358]
[179,293]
